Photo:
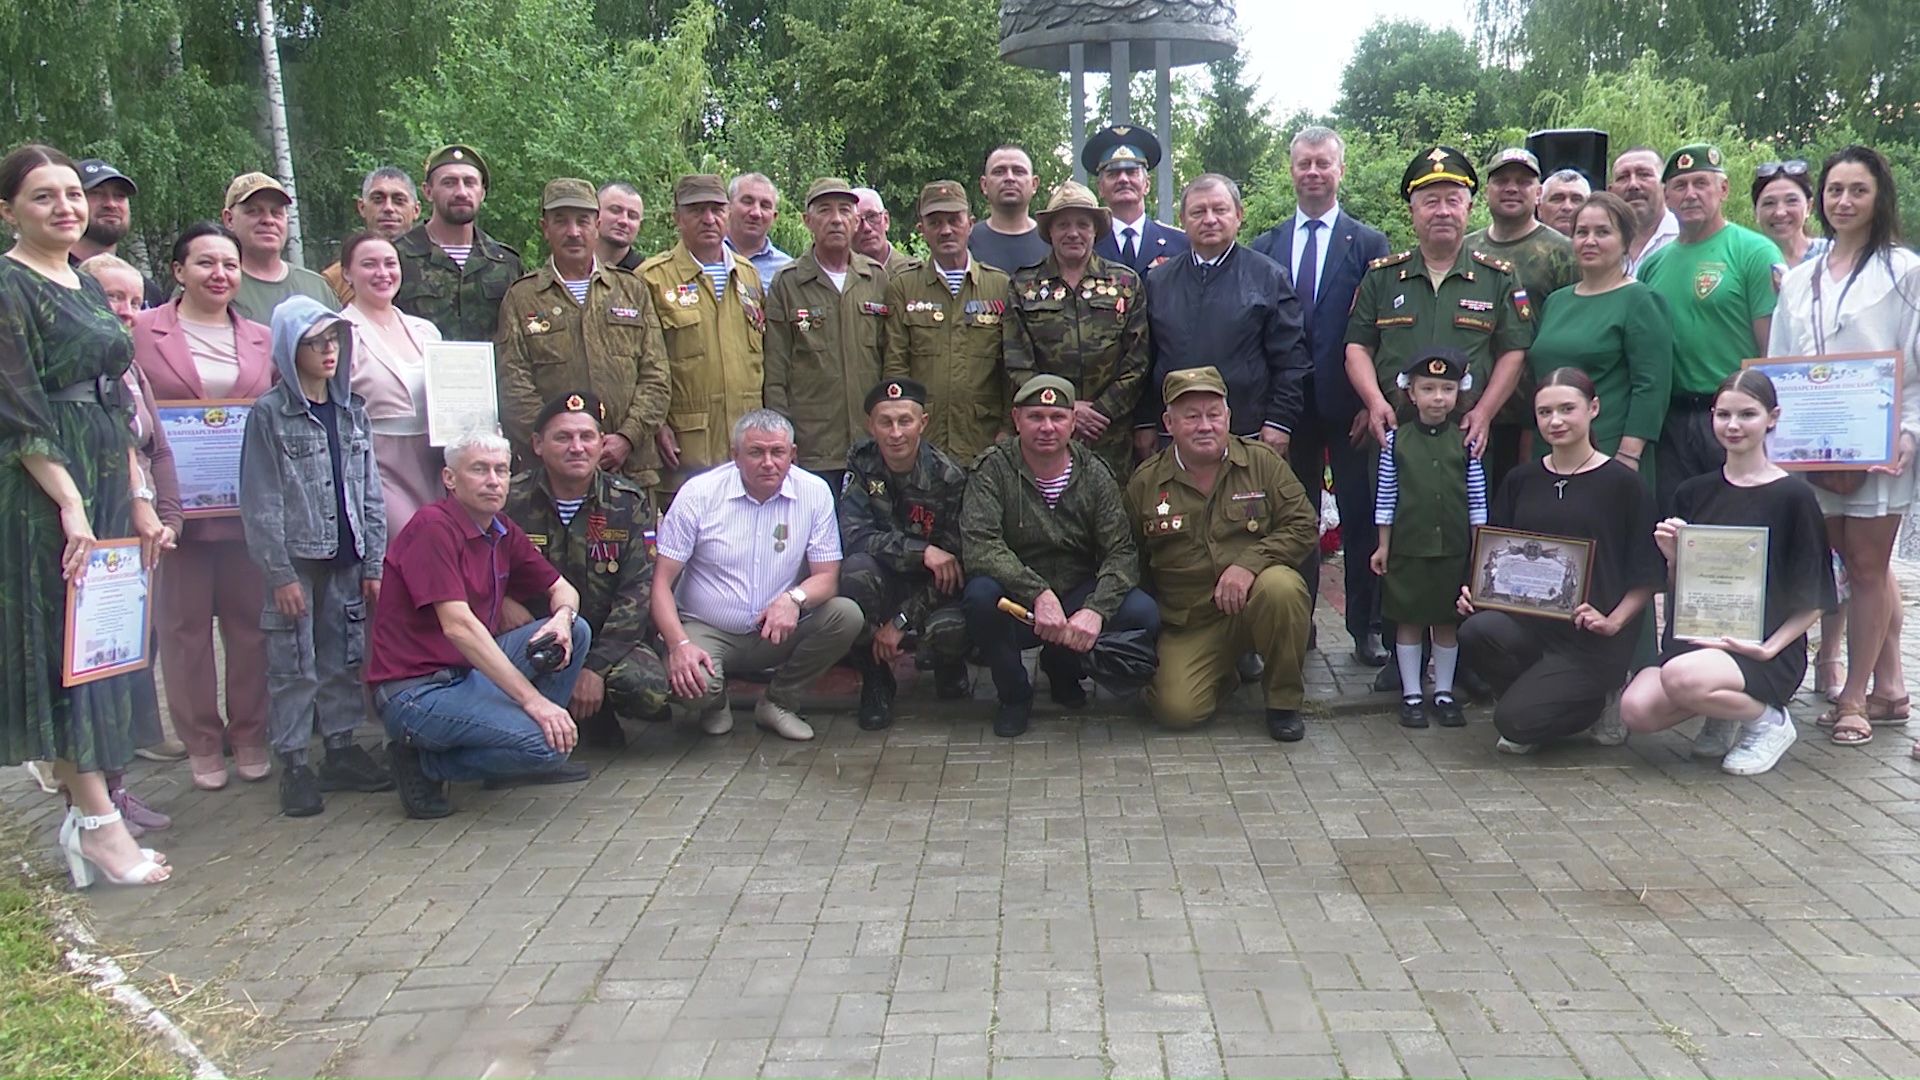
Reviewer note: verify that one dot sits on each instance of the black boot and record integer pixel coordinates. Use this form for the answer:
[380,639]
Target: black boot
[951,682]
[876,695]
[299,791]
[350,768]
[602,731]
[419,796]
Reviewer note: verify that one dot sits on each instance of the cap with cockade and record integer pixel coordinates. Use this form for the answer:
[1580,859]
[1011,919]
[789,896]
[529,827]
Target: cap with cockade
[573,401]
[1438,362]
[1122,146]
[457,154]
[1438,165]
[569,193]
[942,197]
[1049,390]
[699,189]
[896,390]
[830,185]
[1072,196]
[94,172]
[1197,380]
[1692,158]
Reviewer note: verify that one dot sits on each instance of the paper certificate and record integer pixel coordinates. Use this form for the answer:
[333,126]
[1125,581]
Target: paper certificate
[206,437]
[1720,583]
[1529,573]
[108,615]
[461,391]
[1836,412]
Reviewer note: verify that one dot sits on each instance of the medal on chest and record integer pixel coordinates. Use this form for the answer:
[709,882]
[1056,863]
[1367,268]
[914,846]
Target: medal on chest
[780,537]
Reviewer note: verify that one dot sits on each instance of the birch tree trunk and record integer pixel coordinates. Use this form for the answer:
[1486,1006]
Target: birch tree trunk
[277,123]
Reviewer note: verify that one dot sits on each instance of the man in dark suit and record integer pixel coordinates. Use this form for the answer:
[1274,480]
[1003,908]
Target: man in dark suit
[1121,160]
[1327,252]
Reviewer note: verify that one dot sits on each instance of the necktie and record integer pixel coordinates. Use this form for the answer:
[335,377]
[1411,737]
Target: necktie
[1129,251]
[1307,282]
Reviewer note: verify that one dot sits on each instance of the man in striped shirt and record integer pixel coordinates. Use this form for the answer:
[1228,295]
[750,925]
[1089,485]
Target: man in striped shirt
[748,579]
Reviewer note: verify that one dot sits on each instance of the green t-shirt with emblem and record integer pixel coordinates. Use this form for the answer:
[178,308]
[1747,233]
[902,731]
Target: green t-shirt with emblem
[1715,289]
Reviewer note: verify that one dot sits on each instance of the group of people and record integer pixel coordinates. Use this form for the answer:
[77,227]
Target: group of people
[1073,427]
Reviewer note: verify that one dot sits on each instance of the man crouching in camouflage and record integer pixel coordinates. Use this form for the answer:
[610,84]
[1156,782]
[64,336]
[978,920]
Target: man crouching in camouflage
[597,529]
[900,528]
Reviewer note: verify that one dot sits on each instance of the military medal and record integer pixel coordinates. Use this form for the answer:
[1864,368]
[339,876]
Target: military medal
[1060,293]
[939,316]
[780,537]
[613,566]
[1120,306]
[1252,526]
[802,319]
[1165,507]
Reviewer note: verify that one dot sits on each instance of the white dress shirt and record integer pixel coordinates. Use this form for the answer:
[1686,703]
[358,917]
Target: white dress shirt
[740,555]
[1139,232]
[1300,231]
[1667,233]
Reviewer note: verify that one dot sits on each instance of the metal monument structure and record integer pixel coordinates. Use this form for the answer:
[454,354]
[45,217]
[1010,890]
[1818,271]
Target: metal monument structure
[1119,37]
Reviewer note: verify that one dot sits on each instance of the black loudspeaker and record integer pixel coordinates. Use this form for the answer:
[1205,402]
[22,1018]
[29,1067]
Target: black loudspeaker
[1581,149]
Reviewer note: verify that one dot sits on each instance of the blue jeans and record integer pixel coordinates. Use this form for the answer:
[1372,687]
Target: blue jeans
[469,729]
[1000,637]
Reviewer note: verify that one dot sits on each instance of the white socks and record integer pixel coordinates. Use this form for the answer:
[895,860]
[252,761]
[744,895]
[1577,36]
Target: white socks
[1408,657]
[1445,659]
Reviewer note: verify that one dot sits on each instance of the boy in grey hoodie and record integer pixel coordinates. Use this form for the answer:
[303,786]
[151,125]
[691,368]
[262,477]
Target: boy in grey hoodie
[316,522]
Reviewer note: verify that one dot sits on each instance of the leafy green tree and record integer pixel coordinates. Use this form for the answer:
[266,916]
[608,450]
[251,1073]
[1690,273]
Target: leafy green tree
[1234,137]
[1399,56]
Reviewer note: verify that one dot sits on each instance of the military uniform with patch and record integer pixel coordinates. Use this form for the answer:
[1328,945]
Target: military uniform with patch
[462,300]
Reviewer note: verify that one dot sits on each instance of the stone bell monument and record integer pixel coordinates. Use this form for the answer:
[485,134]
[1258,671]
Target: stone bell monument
[1119,37]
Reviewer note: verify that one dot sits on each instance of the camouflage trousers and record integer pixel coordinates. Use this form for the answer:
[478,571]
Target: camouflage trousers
[637,686]
[883,593]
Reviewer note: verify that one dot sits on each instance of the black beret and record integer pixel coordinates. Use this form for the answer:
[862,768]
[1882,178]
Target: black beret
[896,390]
[1438,362]
[571,402]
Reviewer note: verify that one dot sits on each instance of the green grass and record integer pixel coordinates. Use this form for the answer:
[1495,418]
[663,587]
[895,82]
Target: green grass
[51,1022]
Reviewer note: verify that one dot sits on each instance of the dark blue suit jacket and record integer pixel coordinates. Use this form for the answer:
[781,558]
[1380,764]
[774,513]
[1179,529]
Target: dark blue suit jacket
[1352,246]
[1160,242]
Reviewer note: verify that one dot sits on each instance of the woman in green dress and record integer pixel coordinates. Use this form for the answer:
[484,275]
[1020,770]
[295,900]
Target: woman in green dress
[66,478]
[1616,330]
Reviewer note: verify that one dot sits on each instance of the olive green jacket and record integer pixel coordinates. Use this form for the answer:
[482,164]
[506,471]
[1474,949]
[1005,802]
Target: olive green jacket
[823,354]
[1010,534]
[952,344]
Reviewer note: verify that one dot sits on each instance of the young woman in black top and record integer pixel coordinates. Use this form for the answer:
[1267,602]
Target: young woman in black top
[1553,676]
[1735,684]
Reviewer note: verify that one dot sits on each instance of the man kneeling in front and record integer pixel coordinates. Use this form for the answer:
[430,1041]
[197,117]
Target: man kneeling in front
[753,547]
[460,703]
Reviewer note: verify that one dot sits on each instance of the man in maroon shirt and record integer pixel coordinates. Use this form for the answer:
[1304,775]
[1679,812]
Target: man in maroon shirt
[462,701]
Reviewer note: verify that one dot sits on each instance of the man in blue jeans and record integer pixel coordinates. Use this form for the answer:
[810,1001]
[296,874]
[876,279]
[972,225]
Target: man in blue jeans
[461,700]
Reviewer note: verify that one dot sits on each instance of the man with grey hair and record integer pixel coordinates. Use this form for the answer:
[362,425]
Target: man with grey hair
[870,239]
[752,205]
[461,699]
[1326,252]
[388,204]
[621,212]
[1560,197]
[748,580]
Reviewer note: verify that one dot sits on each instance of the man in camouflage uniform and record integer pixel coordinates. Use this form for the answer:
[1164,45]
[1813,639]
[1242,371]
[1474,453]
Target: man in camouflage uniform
[452,274]
[1067,557]
[713,312]
[603,546]
[609,343]
[900,531]
[823,338]
[1084,319]
[943,328]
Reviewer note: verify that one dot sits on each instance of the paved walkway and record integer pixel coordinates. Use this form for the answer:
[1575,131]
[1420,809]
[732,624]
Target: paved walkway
[1094,899]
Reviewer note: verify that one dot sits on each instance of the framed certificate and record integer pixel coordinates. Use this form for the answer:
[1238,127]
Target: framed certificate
[109,615]
[206,437]
[1720,582]
[1529,573]
[1837,412]
[461,391]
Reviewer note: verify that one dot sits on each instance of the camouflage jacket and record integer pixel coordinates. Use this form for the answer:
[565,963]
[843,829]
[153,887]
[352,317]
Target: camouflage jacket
[613,570]
[1010,534]
[464,302]
[1094,335]
[894,518]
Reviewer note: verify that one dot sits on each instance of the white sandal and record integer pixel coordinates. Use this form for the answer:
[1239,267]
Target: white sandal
[83,868]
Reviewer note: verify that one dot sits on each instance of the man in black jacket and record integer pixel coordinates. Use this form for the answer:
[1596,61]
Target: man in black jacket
[1231,308]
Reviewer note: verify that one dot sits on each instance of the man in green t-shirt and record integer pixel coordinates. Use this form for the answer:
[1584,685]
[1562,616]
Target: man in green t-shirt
[1720,282]
[1543,261]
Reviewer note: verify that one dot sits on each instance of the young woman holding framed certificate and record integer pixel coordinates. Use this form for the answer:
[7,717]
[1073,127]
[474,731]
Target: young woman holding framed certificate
[1745,591]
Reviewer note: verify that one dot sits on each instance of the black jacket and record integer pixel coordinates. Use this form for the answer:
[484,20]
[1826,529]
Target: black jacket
[1240,316]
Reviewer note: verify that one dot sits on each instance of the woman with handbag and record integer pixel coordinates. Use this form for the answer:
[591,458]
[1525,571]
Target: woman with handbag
[1862,295]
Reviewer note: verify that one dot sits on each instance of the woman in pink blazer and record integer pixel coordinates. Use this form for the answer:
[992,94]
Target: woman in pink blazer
[196,348]
[390,371]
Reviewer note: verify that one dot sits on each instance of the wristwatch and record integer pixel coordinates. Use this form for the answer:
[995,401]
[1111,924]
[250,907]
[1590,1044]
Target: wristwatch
[900,622]
[798,596]
[143,493]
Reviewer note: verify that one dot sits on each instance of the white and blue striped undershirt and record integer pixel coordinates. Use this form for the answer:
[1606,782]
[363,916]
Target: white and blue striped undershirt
[577,289]
[1386,499]
[717,273]
[566,508]
[955,279]
[1051,490]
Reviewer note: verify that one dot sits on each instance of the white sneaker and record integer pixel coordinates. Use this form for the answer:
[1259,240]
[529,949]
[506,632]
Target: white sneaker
[719,719]
[781,721]
[1508,746]
[1716,738]
[1761,745]
[1609,730]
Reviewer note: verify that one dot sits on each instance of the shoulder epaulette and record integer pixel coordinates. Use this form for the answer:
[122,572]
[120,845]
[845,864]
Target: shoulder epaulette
[1390,260]
[657,259]
[622,484]
[1499,264]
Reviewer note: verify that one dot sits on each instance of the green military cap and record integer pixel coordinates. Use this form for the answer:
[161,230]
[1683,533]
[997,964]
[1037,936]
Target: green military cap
[1694,157]
[697,189]
[573,401]
[1438,165]
[1122,146]
[896,390]
[1513,155]
[1050,390]
[1195,380]
[569,193]
[943,197]
[830,185]
[456,154]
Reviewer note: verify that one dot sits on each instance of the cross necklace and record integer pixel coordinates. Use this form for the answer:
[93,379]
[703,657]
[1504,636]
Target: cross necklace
[1560,485]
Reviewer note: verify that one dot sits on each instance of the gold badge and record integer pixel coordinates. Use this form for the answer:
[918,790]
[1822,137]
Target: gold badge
[939,316]
[1049,396]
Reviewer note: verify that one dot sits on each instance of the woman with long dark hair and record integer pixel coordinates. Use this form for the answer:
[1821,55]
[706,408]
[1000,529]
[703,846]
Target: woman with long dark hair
[1863,295]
